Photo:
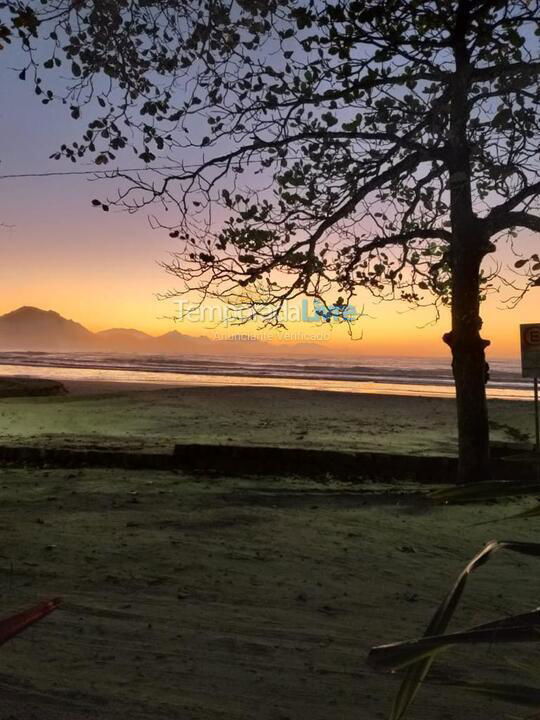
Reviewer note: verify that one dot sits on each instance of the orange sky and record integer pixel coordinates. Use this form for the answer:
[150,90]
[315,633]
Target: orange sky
[101,268]
[107,279]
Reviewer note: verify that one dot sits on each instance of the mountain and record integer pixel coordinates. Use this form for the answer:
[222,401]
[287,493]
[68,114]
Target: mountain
[33,329]
[123,334]
[30,328]
[175,342]
[122,340]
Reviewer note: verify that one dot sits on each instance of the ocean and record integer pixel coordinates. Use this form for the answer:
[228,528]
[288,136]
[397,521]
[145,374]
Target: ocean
[369,374]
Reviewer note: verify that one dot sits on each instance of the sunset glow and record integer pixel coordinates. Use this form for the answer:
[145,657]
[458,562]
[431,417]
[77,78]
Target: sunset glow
[101,269]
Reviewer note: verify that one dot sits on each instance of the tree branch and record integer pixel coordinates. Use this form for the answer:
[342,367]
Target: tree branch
[502,217]
[515,219]
[513,202]
[496,71]
[408,164]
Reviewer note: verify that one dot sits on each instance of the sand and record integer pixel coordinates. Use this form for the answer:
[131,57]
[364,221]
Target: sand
[219,598]
[142,417]
[29,387]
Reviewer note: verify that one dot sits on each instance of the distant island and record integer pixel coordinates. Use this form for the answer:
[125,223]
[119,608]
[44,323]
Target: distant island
[32,329]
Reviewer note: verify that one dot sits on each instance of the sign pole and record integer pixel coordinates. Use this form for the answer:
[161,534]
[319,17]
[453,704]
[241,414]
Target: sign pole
[530,367]
[536,414]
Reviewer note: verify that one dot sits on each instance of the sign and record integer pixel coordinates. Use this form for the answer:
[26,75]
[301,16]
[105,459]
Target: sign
[530,350]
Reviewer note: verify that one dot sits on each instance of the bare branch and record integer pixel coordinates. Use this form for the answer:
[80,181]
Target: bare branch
[515,219]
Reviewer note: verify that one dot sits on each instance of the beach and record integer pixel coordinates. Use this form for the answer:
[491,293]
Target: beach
[212,598]
[404,376]
[140,416]
[215,596]
[270,360]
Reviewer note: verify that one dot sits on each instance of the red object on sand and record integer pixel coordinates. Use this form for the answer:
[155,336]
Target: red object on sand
[17,623]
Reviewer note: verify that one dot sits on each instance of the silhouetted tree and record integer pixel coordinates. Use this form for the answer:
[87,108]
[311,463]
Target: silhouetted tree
[320,148]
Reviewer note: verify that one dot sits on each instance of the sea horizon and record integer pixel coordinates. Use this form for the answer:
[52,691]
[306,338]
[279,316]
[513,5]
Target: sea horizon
[416,376]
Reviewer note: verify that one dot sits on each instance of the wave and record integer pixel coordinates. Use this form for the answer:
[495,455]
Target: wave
[420,372]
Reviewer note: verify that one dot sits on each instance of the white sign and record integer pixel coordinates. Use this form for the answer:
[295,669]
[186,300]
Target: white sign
[530,349]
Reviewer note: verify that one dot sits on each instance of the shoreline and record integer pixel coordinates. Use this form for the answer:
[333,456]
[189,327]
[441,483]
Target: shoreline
[138,379]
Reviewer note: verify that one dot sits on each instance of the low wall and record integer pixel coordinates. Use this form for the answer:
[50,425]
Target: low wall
[239,460]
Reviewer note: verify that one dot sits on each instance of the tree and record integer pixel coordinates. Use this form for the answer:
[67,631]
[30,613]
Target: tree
[387,146]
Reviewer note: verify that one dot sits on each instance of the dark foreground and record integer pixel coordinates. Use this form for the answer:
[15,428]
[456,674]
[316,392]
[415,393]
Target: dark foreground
[210,598]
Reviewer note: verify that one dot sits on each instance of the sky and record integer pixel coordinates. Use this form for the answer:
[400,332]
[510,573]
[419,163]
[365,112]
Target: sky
[101,269]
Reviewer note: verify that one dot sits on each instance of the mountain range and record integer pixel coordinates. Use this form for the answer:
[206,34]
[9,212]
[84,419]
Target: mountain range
[33,329]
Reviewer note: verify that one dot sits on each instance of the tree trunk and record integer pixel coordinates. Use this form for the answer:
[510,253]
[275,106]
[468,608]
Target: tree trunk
[468,247]
[469,365]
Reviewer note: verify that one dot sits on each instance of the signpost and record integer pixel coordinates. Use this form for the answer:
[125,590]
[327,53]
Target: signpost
[530,365]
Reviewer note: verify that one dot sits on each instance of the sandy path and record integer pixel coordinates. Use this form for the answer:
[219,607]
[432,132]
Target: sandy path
[214,598]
